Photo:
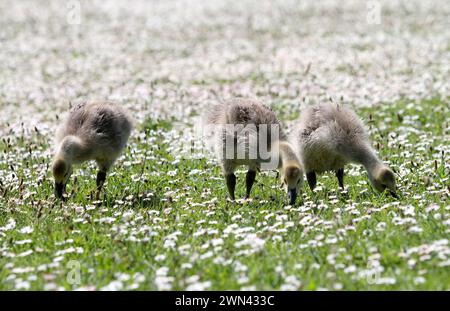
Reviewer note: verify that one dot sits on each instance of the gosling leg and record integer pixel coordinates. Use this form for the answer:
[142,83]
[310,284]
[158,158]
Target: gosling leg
[340,177]
[101,177]
[311,177]
[231,184]
[249,180]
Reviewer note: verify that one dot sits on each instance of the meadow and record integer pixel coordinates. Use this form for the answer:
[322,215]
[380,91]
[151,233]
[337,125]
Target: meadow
[164,221]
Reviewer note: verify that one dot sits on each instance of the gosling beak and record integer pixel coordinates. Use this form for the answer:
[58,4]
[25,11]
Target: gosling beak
[393,193]
[59,189]
[292,196]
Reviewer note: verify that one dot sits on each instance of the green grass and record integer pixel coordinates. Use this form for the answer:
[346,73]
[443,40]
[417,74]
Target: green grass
[328,240]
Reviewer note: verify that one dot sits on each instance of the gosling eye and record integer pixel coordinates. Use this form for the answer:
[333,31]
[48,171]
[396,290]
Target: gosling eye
[298,181]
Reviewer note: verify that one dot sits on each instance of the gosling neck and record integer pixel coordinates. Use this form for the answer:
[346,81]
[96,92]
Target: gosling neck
[72,149]
[287,155]
[368,157]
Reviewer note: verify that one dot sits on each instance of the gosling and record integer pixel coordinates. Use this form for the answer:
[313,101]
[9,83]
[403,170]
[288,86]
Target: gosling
[93,131]
[328,136]
[247,132]
[291,170]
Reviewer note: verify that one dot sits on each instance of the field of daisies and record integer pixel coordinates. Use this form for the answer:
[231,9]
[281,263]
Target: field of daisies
[164,222]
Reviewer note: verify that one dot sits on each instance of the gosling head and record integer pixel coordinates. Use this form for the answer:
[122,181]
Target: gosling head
[292,178]
[61,172]
[383,178]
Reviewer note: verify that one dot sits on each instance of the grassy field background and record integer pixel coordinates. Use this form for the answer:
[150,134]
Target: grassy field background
[164,222]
